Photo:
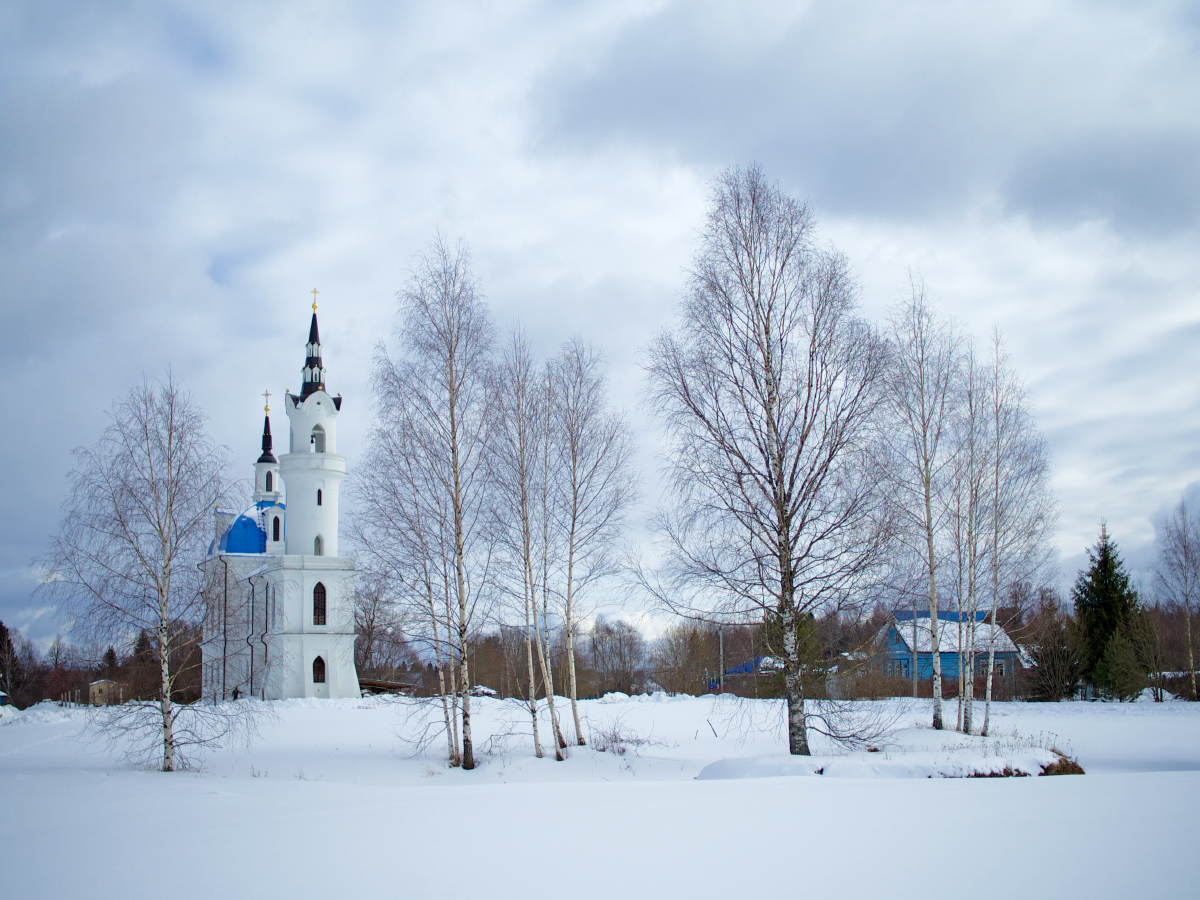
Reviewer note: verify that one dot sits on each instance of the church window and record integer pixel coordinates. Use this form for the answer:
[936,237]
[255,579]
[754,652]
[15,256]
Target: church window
[318,439]
[318,546]
[271,485]
[318,496]
[318,671]
[275,529]
[319,604]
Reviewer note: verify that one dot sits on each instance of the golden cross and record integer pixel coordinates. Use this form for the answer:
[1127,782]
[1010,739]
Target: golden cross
[267,400]
[314,293]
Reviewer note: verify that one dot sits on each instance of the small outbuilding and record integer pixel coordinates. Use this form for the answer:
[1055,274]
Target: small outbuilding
[105,693]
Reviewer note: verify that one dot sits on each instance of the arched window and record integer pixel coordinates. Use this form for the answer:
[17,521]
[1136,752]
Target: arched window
[270,485]
[275,530]
[318,439]
[319,604]
[318,671]
[318,496]
[318,547]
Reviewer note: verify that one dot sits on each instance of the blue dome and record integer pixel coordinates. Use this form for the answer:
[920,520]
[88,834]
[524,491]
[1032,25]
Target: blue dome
[248,533]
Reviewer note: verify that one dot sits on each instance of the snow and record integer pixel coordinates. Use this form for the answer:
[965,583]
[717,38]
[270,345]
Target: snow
[948,636]
[696,797]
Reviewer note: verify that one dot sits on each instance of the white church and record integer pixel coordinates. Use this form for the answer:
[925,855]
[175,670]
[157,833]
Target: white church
[280,620]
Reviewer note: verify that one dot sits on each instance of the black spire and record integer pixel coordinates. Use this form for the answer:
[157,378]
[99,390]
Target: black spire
[267,455]
[314,372]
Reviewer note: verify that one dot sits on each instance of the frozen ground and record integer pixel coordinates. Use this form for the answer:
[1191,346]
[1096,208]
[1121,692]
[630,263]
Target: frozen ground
[333,800]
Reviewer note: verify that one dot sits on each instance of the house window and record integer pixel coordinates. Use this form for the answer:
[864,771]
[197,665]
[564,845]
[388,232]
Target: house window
[999,667]
[275,528]
[270,485]
[318,547]
[318,671]
[319,604]
[318,496]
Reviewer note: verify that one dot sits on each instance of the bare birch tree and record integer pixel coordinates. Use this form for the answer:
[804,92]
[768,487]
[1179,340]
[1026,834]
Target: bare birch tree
[768,393]
[593,447]
[1023,510]
[549,547]
[923,382]
[440,396]
[516,455]
[125,560]
[969,507]
[1178,571]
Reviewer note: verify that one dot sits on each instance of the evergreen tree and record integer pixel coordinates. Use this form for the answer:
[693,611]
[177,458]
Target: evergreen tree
[1120,670]
[1104,603]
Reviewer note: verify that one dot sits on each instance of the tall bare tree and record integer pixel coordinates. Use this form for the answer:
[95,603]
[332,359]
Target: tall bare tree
[548,554]
[440,392]
[768,392]
[1178,570]
[923,383]
[125,560]
[593,448]
[968,500]
[516,455]
[1023,510]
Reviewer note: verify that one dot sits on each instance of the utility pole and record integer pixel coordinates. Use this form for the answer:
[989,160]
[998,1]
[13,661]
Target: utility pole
[721,641]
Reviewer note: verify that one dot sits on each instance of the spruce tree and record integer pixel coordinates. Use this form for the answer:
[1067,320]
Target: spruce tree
[109,665]
[1104,602]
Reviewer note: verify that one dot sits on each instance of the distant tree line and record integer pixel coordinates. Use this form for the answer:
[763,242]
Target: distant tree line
[64,672]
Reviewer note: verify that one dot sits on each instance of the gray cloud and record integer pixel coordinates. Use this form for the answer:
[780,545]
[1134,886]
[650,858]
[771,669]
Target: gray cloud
[174,179]
[903,112]
[1143,184]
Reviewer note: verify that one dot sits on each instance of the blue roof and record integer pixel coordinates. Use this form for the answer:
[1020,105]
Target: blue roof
[248,533]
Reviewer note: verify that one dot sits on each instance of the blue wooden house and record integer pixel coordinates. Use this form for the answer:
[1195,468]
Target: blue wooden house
[898,636]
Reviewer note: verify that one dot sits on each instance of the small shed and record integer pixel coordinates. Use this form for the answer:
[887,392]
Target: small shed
[105,693]
[897,639]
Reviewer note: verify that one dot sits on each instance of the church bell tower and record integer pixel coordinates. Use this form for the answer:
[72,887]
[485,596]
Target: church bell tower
[312,586]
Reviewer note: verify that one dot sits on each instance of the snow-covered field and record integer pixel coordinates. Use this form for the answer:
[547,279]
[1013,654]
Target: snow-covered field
[335,801]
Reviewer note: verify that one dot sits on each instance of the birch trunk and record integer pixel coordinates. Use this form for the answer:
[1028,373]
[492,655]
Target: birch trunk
[794,688]
[548,679]
[451,742]
[533,710]
[987,704]
[915,679]
[935,647]
[452,674]
[960,714]
[1187,619]
[168,719]
[574,683]
[569,624]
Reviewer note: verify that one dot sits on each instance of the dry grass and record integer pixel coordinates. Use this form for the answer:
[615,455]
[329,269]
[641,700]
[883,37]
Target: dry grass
[1064,766]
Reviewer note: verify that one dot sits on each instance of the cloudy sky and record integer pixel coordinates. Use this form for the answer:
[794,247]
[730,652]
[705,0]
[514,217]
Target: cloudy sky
[175,177]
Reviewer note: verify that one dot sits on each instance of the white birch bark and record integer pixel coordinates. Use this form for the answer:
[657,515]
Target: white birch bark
[922,394]
[593,451]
